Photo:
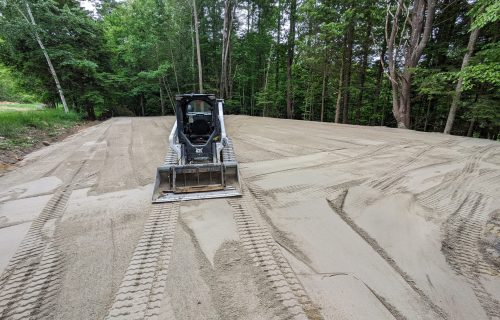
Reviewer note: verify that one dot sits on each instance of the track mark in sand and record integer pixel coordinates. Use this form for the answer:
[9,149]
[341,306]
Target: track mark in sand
[30,282]
[31,279]
[273,155]
[438,198]
[372,151]
[288,196]
[461,246]
[141,292]
[490,242]
[388,180]
[337,204]
[266,254]
[392,309]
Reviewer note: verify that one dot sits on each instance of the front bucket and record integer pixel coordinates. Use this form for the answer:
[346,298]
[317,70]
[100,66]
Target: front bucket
[196,181]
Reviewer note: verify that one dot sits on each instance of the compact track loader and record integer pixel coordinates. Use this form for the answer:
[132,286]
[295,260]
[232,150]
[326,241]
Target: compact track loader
[200,163]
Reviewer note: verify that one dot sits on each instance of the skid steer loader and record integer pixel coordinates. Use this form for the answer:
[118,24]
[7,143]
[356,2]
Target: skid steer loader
[200,163]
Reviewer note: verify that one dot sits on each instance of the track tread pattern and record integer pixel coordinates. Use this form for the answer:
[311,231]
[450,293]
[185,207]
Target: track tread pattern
[266,255]
[141,292]
[461,245]
[30,281]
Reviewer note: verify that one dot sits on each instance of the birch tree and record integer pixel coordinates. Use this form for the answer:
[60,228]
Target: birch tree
[31,20]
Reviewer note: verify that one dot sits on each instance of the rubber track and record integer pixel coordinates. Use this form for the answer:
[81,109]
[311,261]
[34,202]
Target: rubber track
[227,154]
[266,254]
[228,151]
[30,280]
[141,292]
[171,157]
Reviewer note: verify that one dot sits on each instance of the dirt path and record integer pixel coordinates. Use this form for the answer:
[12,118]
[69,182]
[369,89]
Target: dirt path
[336,222]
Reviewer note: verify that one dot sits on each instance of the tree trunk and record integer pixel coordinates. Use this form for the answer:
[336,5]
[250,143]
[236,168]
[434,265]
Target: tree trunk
[341,77]
[291,52]
[458,89]
[193,53]
[278,40]
[378,85]
[252,98]
[347,73]
[323,87]
[226,39]
[90,112]
[142,104]
[364,66]
[173,66]
[49,62]
[427,114]
[162,102]
[421,19]
[471,127]
[401,109]
[169,94]
[267,81]
[198,53]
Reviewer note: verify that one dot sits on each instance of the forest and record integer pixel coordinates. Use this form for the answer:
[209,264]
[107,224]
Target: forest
[427,65]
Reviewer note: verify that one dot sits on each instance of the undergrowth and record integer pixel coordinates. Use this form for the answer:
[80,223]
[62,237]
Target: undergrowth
[24,129]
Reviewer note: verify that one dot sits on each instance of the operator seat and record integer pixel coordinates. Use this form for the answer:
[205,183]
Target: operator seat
[200,127]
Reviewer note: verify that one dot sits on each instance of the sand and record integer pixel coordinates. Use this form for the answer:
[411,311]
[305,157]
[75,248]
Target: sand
[336,222]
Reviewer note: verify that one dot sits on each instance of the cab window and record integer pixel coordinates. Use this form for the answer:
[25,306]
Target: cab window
[198,106]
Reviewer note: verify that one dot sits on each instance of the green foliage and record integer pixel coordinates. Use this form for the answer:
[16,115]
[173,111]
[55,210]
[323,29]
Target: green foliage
[17,128]
[484,13]
[8,106]
[135,55]
[11,87]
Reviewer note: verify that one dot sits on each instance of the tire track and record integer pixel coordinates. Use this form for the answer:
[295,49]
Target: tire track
[294,194]
[461,246]
[337,204]
[141,292]
[490,241]
[266,254]
[438,197]
[389,180]
[372,151]
[30,281]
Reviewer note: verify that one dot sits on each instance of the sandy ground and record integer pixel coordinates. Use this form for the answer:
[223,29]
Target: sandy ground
[335,222]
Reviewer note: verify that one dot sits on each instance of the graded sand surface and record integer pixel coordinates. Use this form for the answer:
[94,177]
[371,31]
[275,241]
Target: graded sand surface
[335,222]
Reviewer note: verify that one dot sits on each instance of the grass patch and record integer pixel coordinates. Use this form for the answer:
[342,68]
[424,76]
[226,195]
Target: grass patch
[5,107]
[24,129]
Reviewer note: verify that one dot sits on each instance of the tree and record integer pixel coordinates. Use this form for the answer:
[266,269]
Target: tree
[364,64]
[31,21]
[229,8]
[131,57]
[290,54]
[421,16]
[198,53]
[485,14]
